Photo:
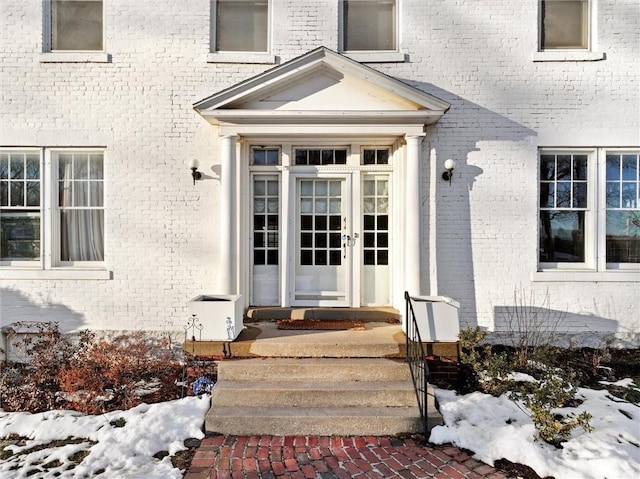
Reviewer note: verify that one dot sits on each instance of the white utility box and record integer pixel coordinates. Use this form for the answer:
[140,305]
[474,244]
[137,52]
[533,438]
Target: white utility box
[437,318]
[221,316]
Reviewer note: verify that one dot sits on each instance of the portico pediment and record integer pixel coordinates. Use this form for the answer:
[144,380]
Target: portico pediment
[321,87]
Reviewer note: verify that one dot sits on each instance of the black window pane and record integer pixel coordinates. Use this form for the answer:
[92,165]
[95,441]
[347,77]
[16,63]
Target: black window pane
[547,195]
[335,258]
[369,157]
[580,195]
[383,223]
[335,240]
[20,238]
[321,222]
[306,222]
[321,240]
[383,157]
[272,256]
[272,222]
[4,193]
[321,257]
[383,257]
[341,157]
[314,157]
[4,167]
[369,257]
[370,222]
[258,256]
[369,240]
[562,236]
[301,157]
[17,193]
[547,167]
[306,240]
[258,222]
[334,222]
[327,157]
[258,240]
[383,240]
[306,257]
[580,167]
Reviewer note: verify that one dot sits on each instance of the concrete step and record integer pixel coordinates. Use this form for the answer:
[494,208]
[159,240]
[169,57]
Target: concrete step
[264,339]
[326,396]
[311,394]
[326,421]
[315,369]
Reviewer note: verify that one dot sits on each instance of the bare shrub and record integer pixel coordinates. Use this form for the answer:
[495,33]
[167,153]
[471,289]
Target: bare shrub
[531,326]
[89,375]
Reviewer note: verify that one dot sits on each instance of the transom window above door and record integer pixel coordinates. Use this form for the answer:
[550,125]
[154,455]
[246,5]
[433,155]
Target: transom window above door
[321,156]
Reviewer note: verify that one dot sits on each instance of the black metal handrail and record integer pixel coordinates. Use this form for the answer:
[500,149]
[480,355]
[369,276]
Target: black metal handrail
[417,358]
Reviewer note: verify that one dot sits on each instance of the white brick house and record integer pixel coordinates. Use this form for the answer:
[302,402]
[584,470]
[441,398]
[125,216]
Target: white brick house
[321,129]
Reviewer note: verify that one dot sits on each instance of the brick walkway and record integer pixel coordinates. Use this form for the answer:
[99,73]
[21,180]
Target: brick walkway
[267,457]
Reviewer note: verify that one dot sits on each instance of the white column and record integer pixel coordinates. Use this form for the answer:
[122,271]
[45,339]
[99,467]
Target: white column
[227,280]
[412,216]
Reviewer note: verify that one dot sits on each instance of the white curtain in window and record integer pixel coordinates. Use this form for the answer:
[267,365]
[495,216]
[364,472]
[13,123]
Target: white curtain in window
[81,228]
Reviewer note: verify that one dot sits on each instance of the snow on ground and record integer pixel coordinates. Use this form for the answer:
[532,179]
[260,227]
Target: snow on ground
[495,428]
[120,443]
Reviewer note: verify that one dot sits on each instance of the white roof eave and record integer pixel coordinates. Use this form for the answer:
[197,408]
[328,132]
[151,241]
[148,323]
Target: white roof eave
[414,117]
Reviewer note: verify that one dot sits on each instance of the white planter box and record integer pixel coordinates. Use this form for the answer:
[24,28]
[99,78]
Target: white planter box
[220,315]
[437,318]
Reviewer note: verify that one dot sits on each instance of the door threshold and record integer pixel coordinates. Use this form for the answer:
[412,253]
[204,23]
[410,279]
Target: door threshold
[385,314]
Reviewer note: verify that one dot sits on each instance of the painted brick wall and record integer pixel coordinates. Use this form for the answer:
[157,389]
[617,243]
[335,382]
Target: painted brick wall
[162,238]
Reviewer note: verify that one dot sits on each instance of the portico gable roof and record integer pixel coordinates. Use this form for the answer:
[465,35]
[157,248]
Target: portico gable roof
[321,87]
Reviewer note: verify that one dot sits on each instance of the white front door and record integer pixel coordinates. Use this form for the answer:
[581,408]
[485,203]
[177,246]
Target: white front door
[322,240]
[320,231]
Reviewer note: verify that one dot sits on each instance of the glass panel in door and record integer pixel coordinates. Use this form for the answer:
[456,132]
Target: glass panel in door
[376,276]
[322,243]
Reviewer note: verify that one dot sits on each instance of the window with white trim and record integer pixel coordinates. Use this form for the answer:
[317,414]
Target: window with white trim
[51,208]
[240,26]
[589,209]
[564,24]
[369,25]
[75,25]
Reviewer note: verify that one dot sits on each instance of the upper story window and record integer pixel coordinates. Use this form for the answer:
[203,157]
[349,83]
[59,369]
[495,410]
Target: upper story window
[76,25]
[369,25]
[589,210]
[564,24]
[51,208]
[240,26]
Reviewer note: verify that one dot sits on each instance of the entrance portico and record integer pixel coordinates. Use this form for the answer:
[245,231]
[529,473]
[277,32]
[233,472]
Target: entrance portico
[320,184]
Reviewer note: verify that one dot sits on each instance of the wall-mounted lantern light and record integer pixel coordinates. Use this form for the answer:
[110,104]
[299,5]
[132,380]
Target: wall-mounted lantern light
[449,165]
[195,174]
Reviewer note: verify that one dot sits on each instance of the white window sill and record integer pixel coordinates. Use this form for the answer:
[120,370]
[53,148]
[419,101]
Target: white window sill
[568,56]
[376,57]
[75,57]
[585,276]
[56,273]
[241,57]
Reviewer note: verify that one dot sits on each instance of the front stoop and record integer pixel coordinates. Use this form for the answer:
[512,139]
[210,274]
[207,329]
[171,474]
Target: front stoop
[316,396]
